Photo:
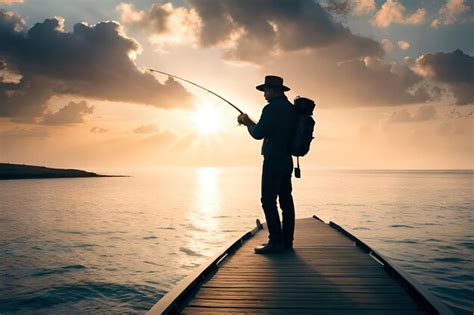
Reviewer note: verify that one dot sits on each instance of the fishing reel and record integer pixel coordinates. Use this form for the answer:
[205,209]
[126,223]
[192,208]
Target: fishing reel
[237,122]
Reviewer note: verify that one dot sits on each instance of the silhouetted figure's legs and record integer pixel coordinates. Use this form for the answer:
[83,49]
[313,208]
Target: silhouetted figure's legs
[270,189]
[276,181]
[288,210]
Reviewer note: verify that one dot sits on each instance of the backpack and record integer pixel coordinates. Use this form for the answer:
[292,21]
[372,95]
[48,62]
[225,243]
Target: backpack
[303,132]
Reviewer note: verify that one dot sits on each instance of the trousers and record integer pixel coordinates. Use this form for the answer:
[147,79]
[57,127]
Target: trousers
[276,182]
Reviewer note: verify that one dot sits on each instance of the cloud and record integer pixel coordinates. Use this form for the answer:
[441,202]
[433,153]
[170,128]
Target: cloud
[146,129]
[7,75]
[36,132]
[402,115]
[394,12]
[455,70]
[306,45]
[163,21]
[387,45]
[365,81]
[95,61]
[345,7]
[25,100]
[403,44]
[98,130]
[449,13]
[301,41]
[277,26]
[458,114]
[72,113]
[423,113]
[254,31]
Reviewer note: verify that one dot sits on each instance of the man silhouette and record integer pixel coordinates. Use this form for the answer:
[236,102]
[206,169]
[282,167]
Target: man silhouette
[275,128]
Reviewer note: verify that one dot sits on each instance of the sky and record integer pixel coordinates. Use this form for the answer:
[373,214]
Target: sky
[393,81]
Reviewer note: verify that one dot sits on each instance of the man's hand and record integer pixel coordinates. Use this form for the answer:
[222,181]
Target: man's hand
[244,119]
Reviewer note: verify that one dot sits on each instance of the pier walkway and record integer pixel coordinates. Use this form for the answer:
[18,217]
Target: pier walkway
[329,272]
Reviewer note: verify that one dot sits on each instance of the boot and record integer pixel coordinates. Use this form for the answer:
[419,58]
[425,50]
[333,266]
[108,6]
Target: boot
[269,248]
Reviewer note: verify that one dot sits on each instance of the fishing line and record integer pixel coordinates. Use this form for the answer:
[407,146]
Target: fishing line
[199,86]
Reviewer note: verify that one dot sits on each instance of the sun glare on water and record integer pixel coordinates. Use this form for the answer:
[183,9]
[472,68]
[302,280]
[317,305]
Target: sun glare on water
[207,119]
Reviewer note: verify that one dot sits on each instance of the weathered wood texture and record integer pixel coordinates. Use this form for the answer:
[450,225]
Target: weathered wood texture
[326,274]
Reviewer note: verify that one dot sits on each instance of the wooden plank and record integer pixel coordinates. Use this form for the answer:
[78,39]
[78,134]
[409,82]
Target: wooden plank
[263,304]
[240,311]
[369,298]
[278,270]
[318,290]
[308,288]
[327,281]
[289,274]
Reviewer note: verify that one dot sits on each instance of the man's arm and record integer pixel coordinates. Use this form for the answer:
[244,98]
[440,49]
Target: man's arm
[261,129]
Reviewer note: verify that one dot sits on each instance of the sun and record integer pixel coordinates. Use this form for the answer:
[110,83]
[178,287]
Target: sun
[207,119]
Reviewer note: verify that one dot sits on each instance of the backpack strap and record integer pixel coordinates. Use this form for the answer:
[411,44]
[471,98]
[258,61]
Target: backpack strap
[297,168]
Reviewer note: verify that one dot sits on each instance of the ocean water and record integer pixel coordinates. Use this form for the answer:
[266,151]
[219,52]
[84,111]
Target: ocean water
[117,245]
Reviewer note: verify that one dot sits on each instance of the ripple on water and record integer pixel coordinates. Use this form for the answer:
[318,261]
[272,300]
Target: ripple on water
[467,244]
[151,237]
[192,227]
[189,266]
[189,252]
[401,226]
[84,245]
[140,296]
[49,271]
[433,240]
[449,259]
[362,228]
[406,241]
[71,232]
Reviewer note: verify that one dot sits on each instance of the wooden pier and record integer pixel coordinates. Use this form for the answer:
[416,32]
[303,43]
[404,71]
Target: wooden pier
[330,271]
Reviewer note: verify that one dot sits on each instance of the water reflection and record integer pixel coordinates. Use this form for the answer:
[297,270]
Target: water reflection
[208,201]
[204,224]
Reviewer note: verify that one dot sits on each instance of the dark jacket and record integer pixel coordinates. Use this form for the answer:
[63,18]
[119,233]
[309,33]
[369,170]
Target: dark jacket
[275,127]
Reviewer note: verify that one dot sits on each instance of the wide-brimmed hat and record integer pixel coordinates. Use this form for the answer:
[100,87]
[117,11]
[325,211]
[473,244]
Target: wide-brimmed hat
[273,81]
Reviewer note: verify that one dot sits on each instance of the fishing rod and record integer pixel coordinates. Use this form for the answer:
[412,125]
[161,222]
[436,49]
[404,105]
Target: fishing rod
[199,86]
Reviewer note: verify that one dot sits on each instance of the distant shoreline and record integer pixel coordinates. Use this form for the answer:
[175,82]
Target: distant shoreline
[21,171]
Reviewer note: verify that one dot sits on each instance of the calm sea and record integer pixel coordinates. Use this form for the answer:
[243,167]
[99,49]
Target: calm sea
[117,245]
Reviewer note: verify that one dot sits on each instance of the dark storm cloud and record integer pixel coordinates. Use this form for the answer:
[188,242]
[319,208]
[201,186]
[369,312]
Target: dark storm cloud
[72,113]
[252,31]
[27,99]
[455,69]
[269,25]
[341,8]
[301,41]
[92,61]
[356,82]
